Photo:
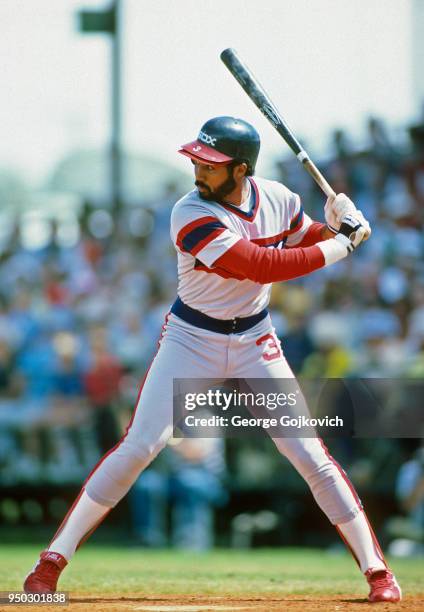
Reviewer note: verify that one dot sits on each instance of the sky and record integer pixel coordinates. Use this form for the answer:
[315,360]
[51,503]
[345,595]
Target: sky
[326,63]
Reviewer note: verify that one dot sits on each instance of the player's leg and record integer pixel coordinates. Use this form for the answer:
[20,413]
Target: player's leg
[181,354]
[338,499]
[261,357]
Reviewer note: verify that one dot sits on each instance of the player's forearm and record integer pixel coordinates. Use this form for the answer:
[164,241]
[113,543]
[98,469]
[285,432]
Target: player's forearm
[326,234]
[267,265]
[315,233]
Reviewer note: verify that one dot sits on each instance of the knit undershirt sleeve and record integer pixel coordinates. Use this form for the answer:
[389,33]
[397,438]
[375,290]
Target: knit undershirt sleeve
[267,265]
[312,236]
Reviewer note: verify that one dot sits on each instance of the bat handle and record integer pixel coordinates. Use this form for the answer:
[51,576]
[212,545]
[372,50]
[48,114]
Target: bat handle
[319,179]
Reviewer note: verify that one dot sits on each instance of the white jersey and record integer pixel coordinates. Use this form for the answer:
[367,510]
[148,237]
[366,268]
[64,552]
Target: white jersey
[203,231]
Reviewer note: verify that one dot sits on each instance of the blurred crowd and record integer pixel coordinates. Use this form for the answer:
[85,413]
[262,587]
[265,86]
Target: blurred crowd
[80,319]
[78,327]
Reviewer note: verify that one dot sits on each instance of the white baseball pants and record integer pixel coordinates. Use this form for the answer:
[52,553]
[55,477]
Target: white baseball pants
[186,351]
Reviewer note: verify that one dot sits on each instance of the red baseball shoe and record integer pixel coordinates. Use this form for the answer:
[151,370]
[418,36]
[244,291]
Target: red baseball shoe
[45,573]
[384,587]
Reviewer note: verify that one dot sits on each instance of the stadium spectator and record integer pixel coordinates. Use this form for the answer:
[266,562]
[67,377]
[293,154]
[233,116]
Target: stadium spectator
[101,381]
[189,478]
[408,531]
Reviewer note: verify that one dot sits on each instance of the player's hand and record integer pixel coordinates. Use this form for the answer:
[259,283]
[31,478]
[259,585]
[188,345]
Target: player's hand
[336,208]
[351,232]
[341,205]
[330,216]
[360,217]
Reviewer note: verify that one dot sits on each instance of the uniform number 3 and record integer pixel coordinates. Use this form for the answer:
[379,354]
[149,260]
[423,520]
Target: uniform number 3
[271,343]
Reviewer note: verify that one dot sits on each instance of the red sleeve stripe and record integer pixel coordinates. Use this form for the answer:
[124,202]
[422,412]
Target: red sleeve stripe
[297,223]
[187,229]
[272,240]
[297,220]
[201,245]
[191,226]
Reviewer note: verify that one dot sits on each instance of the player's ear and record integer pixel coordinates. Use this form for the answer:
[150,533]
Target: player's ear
[240,171]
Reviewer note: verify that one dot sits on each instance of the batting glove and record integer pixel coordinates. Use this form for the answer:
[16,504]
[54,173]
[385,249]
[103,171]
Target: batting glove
[330,216]
[336,208]
[341,206]
[351,232]
[360,217]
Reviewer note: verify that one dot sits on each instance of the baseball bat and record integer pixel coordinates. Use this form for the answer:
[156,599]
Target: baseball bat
[258,95]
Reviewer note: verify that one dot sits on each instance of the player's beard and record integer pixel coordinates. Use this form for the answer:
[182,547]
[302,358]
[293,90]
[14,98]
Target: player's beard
[219,194]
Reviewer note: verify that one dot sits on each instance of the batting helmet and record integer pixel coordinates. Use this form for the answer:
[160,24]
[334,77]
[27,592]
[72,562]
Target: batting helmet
[222,140]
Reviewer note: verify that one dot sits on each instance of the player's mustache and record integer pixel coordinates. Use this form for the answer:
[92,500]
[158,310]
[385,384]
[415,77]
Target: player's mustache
[200,184]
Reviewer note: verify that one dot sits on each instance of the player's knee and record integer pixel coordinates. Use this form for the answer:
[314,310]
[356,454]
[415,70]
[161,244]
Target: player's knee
[308,457]
[140,453]
[118,472]
[313,467]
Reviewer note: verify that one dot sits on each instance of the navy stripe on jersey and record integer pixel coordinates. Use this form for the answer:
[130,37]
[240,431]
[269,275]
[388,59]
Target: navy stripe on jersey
[200,234]
[297,220]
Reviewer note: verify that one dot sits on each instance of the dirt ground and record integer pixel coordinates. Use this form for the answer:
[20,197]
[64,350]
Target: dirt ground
[190,603]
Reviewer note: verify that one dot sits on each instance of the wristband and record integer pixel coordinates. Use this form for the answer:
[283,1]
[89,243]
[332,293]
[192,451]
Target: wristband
[345,241]
[333,249]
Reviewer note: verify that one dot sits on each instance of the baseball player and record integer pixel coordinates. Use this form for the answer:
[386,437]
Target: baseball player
[235,234]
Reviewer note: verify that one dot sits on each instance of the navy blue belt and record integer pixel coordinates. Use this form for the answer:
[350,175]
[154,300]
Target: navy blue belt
[220,326]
